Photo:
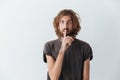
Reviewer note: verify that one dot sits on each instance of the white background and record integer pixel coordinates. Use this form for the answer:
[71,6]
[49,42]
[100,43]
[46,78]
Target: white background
[25,26]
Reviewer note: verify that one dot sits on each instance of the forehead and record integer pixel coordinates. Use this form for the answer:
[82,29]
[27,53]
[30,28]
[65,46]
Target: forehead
[65,18]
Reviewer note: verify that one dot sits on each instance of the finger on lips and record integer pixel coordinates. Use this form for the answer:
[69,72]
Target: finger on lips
[64,33]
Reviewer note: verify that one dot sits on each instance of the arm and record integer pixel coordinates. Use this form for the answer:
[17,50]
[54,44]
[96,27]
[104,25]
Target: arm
[54,67]
[86,70]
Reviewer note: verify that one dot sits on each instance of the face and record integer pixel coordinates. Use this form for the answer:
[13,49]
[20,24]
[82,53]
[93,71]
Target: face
[65,23]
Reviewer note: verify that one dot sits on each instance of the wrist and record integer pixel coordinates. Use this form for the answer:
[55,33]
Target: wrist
[62,50]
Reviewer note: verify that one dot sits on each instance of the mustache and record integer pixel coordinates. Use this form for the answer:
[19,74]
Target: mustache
[65,29]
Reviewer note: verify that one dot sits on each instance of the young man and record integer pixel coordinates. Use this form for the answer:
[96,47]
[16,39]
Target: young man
[67,57]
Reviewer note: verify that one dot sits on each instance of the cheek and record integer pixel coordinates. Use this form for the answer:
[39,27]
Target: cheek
[70,27]
[59,28]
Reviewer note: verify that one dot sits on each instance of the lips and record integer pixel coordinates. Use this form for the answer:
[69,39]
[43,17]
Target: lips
[67,30]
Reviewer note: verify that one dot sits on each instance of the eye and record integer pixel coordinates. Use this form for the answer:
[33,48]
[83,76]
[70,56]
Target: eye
[69,22]
[62,22]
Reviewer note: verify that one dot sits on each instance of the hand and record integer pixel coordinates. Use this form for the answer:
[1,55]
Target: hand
[66,41]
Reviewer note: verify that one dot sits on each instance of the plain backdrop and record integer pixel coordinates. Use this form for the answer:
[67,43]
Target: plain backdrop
[26,25]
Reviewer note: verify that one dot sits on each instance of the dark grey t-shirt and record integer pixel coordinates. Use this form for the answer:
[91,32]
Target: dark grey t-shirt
[75,55]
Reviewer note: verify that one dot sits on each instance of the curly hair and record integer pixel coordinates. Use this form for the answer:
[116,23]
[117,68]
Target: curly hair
[74,17]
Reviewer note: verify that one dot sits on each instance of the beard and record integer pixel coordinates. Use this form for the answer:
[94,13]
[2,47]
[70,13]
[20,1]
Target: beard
[68,32]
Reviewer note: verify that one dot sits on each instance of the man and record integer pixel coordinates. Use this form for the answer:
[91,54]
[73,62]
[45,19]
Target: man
[67,57]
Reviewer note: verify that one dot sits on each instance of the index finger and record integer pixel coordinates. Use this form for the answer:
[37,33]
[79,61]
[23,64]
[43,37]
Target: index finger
[64,33]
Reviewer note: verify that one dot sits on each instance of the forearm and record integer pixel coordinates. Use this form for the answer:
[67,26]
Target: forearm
[57,67]
[85,78]
[86,71]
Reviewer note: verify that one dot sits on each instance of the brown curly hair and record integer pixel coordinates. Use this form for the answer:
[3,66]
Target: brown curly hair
[75,19]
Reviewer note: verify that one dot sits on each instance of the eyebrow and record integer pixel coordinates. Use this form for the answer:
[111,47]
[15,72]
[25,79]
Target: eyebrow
[70,19]
[63,20]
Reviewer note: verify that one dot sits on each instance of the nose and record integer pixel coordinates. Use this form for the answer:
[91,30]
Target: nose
[66,25]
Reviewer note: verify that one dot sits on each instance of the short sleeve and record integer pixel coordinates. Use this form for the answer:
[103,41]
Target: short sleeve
[46,51]
[88,52]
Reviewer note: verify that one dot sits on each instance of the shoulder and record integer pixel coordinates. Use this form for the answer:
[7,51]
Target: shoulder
[88,53]
[51,42]
[82,43]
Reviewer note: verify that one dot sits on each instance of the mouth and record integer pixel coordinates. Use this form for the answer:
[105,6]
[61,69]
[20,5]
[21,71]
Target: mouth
[67,30]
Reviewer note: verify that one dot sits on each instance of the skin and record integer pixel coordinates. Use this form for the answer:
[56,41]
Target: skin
[55,67]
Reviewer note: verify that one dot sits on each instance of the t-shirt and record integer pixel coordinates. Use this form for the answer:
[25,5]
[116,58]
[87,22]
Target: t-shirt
[74,57]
